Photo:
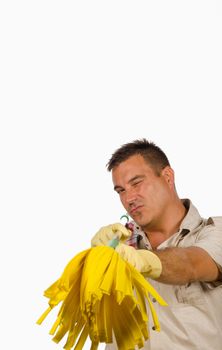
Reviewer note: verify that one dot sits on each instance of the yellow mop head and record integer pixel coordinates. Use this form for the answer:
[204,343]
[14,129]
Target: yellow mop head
[101,295]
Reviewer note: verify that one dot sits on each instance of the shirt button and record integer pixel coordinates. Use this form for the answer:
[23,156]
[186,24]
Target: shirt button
[153,300]
[153,328]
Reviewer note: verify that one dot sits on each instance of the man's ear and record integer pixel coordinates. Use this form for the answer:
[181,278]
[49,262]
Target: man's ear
[168,175]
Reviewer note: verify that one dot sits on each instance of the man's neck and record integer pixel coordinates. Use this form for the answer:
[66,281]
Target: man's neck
[169,226]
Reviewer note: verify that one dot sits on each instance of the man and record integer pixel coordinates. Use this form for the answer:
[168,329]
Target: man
[172,244]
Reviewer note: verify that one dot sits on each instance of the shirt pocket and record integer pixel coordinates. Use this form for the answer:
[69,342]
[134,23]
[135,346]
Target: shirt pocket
[191,293]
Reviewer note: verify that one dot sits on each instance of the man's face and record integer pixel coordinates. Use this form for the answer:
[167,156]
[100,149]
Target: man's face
[143,193]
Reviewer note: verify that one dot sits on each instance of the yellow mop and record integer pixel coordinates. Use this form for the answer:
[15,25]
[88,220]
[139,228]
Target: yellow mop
[102,296]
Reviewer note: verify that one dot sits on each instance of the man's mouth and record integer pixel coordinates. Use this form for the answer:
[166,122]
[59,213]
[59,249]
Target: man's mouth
[133,210]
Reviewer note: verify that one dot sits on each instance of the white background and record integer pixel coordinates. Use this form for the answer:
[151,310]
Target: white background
[79,79]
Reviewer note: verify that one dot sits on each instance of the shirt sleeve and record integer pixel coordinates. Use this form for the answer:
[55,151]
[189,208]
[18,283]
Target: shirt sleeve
[210,239]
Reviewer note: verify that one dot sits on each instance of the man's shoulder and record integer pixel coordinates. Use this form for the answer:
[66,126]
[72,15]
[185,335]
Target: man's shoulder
[214,221]
[211,225]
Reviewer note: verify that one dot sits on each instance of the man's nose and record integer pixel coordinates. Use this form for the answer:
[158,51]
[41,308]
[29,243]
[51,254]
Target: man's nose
[130,196]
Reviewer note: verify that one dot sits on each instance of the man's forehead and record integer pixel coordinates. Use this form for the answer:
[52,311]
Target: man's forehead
[134,163]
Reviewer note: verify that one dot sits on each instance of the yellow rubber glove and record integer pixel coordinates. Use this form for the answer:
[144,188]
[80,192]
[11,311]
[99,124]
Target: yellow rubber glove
[106,233]
[143,260]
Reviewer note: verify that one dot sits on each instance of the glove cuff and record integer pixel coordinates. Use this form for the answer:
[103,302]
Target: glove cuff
[154,263]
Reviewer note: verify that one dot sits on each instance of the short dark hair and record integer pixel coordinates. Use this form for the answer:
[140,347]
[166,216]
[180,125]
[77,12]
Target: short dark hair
[151,153]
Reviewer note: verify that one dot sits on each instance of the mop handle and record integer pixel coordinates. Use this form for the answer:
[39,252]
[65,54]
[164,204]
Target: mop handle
[113,243]
[115,240]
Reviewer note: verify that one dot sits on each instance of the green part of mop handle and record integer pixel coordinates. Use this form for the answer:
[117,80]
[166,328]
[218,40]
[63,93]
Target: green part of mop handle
[114,242]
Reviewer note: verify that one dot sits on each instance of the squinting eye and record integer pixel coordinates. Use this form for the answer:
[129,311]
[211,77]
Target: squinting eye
[136,183]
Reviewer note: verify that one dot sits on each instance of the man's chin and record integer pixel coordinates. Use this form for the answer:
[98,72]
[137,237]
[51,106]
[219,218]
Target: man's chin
[138,220]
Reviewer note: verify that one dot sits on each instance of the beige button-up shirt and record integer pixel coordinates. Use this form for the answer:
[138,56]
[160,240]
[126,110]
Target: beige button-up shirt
[193,317]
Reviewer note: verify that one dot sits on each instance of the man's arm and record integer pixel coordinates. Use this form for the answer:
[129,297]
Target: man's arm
[172,265]
[184,265]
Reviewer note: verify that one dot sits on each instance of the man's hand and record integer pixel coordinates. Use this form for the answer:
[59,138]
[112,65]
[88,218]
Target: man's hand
[143,260]
[106,233]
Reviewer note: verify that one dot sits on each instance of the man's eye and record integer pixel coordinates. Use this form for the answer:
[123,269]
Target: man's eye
[136,183]
[120,191]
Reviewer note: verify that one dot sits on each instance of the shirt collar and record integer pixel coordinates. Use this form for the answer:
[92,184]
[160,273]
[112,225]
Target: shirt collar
[192,219]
